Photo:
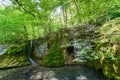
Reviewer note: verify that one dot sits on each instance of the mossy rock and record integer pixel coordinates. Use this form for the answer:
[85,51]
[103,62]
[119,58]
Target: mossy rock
[55,57]
[107,46]
[109,68]
[110,32]
[14,49]
[15,56]
[13,60]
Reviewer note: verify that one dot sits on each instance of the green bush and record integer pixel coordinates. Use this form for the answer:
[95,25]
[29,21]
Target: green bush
[55,57]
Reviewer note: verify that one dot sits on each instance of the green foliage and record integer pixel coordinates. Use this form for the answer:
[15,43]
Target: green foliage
[12,26]
[108,41]
[114,12]
[85,48]
[54,57]
[41,18]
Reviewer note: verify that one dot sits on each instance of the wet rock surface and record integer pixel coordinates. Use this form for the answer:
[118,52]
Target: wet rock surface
[47,73]
[3,49]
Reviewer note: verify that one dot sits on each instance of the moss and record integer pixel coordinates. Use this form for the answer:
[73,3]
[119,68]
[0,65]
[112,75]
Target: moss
[14,57]
[54,57]
[13,60]
[107,45]
[14,49]
[109,68]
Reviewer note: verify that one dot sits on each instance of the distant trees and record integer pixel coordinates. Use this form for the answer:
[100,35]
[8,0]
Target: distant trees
[41,17]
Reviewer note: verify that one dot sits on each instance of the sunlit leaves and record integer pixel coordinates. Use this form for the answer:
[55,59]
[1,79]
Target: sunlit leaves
[45,19]
[12,25]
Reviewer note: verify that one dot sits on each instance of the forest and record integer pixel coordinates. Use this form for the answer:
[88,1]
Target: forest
[59,34]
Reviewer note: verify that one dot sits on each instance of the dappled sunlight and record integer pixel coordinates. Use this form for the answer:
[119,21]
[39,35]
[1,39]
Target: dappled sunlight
[59,39]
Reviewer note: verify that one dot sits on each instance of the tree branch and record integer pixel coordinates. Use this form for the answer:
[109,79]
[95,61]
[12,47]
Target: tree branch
[24,8]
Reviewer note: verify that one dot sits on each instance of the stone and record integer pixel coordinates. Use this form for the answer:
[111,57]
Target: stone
[81,78]
[3,48]
[38,76]
[12,56]
[40,50]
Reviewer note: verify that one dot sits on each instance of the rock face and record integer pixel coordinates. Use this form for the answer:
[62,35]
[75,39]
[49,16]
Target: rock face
[108,48]
[69,40]
[39,50]
[79,38]
[3,49]
[12,56]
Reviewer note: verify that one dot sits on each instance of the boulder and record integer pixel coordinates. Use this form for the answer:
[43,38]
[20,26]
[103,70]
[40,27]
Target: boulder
[12,56]
[3,48]
[107,46]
